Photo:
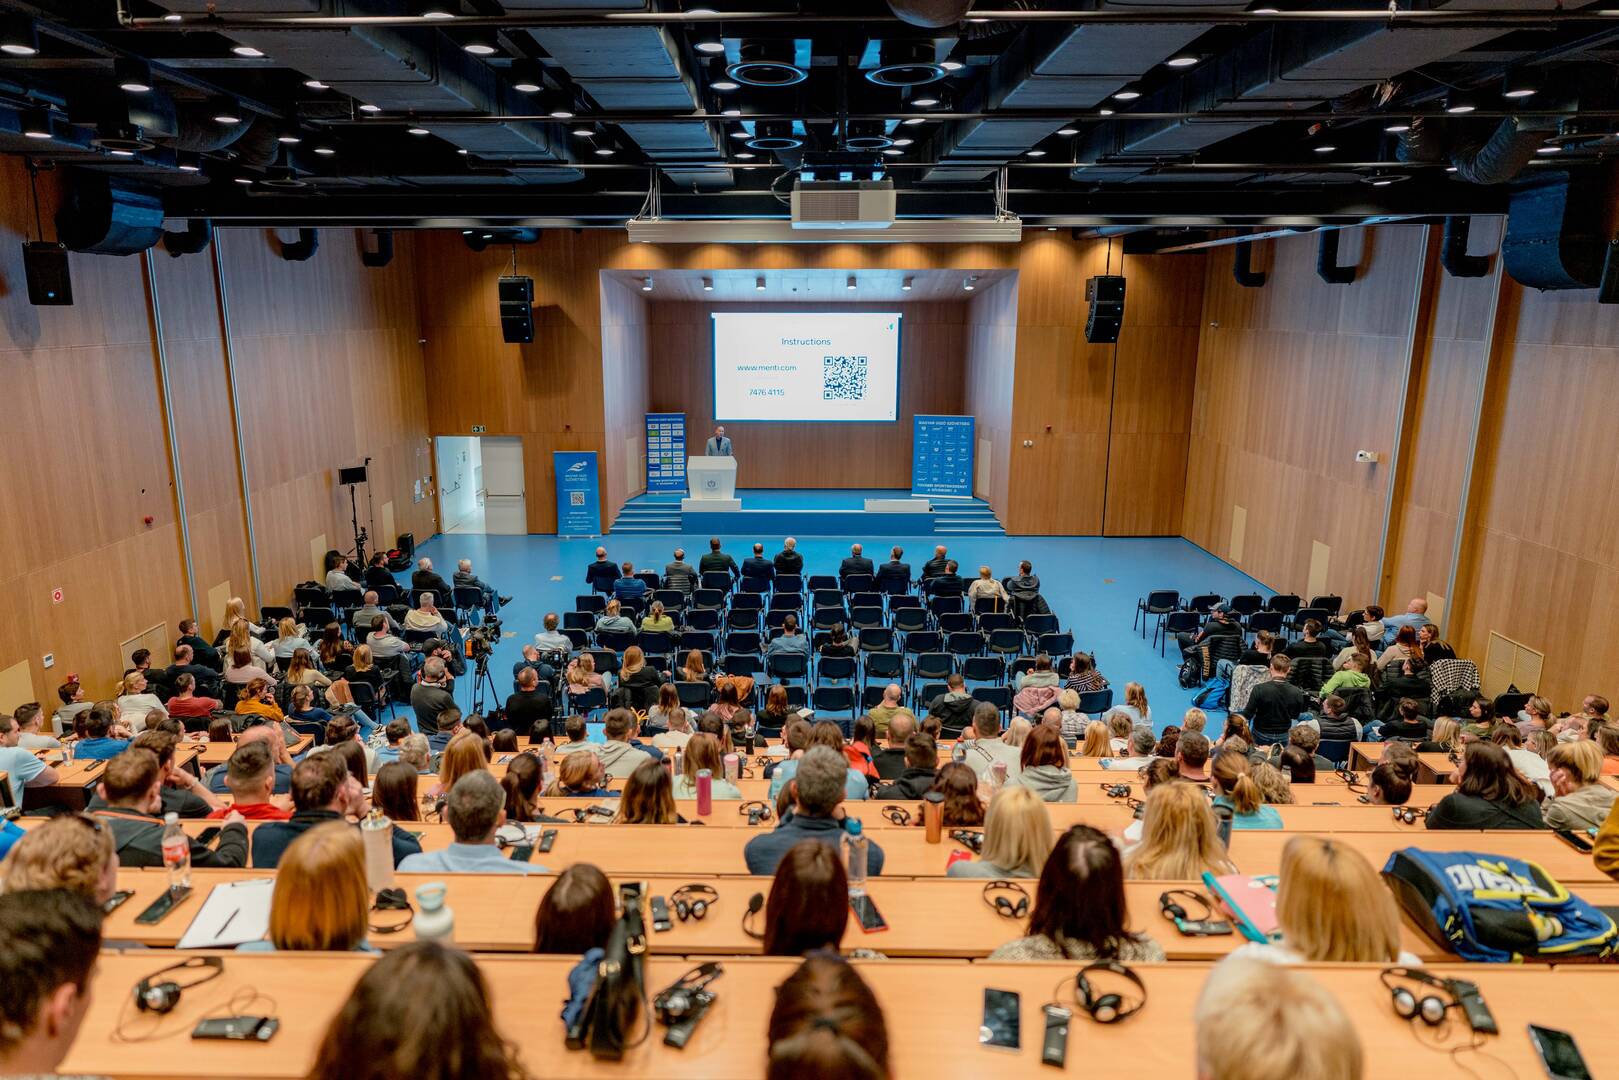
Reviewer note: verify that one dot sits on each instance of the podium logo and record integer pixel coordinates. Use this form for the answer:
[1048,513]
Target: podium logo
[711,484]
[578,466]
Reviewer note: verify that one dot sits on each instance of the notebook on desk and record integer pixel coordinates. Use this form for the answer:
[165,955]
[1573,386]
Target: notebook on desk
[1251,900]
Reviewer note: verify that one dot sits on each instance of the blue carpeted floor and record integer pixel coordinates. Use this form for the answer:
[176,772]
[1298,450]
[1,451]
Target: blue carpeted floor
[1092,584]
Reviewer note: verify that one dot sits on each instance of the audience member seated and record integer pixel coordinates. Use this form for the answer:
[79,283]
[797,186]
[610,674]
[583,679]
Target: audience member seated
[856,563]
[1079,908]
[894,576]
[757,567]
[1097,743]
[717,561]
[628,586]
[826,1022]
[384,643]
[1308,739]
[576,914]
[1275,704]
[1405,647]
[985,748]
[1043,767]
[582,677]
[1236,789]
[962,809]
[1581,801]
[1135,706]
[1309,644]
[462,755]
[788,560]
[74,705]
[657,620]
[883,714]
[1255,1022]
[1036,688]
[838,642]
[949,583]
[204,653]
[22,769]
[49,941]
[131,789]
[464,578]
[1415,617]
[858,749]
[183,792]
[670,719]
[791,640]
[1352,676]
[1530,765]
[1434,648]
[617,756]
[985,587]
[827,734]
[1332,907]
[1083,677]
[321,902]
[1180,839]
[601,574]
[1390,783]
[807,910]
[323,789]
[890,761]
[426,578]
[1017,838]
[68,851]
[389,1027]
[637,681]
[680,574]
[648,798]
[136,703]
[250,777]
[1489,794]
[1192,756]
[1408,724]
[1142,742]
[430,697]
[777,713]
[522,787]
[187,705]
[1296,766]
[580,774]
[476,808]
[703,752]
[104,738]
[1219,624]
[613,620]
[919,761]
[425,617]
[818,789]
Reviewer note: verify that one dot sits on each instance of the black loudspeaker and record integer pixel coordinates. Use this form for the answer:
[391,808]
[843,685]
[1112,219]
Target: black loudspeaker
[1105,294]
[355,475]
[406,542]
[45,265]
[517,310]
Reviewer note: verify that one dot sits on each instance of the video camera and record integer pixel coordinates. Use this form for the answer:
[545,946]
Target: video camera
[481,640]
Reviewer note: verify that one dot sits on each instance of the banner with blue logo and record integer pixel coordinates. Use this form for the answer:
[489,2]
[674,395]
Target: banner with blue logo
[942,455]
[665,452]
[578,494]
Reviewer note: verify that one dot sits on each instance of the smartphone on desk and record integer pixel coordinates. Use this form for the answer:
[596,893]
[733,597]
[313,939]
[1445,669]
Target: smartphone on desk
[1002,1022]
[1558,1054]
[865,908]
[165,903]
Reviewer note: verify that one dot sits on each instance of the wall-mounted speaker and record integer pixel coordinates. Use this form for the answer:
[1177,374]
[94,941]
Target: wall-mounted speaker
[45,266]
[1105,295]
[517,310]
[355,475]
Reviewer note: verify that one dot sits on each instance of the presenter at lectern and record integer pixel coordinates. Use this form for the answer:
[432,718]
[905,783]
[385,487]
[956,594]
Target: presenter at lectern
[718,445]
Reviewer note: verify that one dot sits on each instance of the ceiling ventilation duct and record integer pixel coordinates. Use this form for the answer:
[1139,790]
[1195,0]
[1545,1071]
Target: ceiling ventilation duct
[382,254]
[930,13]
[1553,238]
[767,63]
[107,215]
[1495,160]
[1453,254]
[906,63]
[193,241]
[303,248]
[775,135]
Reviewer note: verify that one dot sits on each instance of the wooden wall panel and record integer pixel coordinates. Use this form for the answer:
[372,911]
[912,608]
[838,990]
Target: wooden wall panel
[990,369]
[625,315]
[797,455]
[1293,378]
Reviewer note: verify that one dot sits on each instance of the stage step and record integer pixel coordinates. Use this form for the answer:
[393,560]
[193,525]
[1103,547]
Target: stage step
[643,517]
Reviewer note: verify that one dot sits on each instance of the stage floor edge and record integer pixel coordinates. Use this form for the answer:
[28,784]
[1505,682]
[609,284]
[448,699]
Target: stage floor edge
[809,512]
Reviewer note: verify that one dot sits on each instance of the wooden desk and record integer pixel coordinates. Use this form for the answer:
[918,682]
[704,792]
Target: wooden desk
[1431,768]
[935,1039]
[1258,851]
[217,753]
[75,782]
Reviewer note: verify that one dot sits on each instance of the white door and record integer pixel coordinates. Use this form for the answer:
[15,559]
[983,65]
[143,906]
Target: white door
[505,509]
[459,506]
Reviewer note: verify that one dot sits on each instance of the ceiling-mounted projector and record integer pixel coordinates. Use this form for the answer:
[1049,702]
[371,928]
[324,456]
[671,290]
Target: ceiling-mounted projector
[840,204]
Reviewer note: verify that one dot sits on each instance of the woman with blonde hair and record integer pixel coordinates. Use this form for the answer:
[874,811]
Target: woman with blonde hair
[1236,789]
[1179,837]
[236,609]
[1098,743]
[649,798]
[986,587]
[1580,802]
[1257,1023]
[321,901]
[242,639]
[1072,721]
[1446,737]
[137,705]
[69,851]
[639,680]
[1017,838]
[1135,705]
[656,621]
[1332,907]
[463,755]
[1017,732]
[694,670]
[582,675]
[581,774]
[703,752]
[289,639]
[301,670]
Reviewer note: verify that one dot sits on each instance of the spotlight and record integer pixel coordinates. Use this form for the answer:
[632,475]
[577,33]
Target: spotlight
[1519,83]
[36,123]
[290,137]
[1324,148]
[914,120]
[926,101]
[435,10]
[187,163]
[1068,129]
[527,77]
[952,65]
[479,46]
[369,108]
[1104,111]
[325,151]
[605,151]
[774,135]
[970,282]
[708,284]
[134,75]
[1458,103]
[868,135]
[561,114]
[226,112]
[418,131]
[850,284]
[740,133]
[316,84]
[1549,148]
[709,43]
[18,36]
[905,285]
[583,131]
[767,63]
[646,284]
[906,63]
[1183,60]
[759,284]
[247,52]
[1127,92]
[903,142]
[723,85]
[894,152]
[1394,127]
[1037,153]
[746,155]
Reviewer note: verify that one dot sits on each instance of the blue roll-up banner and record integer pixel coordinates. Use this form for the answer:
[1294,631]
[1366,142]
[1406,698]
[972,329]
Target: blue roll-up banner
[578,493]
[665,452]
[942,455]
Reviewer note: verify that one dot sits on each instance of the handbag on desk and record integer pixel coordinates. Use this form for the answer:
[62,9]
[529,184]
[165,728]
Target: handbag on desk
[618,997]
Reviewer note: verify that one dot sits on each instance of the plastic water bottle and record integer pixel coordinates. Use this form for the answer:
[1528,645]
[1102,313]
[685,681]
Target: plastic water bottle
[855,844]
[959,751]
[176,851]
[705,793]
[435,920]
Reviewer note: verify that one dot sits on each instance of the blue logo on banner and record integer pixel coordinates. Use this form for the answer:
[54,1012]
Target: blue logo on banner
[578,496]
[942,455]
[665,452]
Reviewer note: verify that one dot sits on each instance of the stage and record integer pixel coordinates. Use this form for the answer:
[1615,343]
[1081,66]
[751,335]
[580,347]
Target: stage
[835,512]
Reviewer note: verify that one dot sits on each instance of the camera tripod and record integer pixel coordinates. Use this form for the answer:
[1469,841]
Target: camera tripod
[482,680]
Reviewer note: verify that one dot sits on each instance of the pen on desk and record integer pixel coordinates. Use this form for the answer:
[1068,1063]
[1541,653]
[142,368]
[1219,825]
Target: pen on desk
[222,926]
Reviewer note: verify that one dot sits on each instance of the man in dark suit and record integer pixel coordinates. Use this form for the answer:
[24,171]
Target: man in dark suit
[426,578]
[788,560]
[935,566]
[680,574]
[894,576]
[856,563]
[601,574]
[201,651]
[948,583]
[377,572]
[716,560]
[185,664]
[757,566]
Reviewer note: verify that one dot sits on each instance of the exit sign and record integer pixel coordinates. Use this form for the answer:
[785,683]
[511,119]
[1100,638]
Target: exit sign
[478,429]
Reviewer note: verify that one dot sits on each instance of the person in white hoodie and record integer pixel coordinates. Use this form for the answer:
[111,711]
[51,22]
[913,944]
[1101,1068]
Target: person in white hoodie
[617,755]
[1044,769]
[987,747]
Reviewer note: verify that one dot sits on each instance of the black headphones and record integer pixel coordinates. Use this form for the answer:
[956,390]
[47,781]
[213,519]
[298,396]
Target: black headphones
[1409,814]
[897,814]
[1351,780]
[1170,909]
[1116,791]
[1108,1008]
[756,902]
[755,810]
[998,895]
[1408,1005]
[164,996]
[693,901]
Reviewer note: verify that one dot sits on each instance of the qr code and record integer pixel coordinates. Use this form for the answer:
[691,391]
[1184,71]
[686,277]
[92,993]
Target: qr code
[843,378]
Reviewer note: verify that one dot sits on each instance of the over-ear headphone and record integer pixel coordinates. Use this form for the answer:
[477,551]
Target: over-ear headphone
[1116,791]
[693,901]
[1170,909]
[1409,1005]
[164,996]
[755,810]
[897,814]
[998,895]
[1409,814]
[755,903]
[1107,1008]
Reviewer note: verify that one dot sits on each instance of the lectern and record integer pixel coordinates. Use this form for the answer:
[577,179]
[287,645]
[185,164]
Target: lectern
[711,483]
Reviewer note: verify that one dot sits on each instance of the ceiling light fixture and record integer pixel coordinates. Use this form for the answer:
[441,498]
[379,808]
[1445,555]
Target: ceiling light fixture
[36,124]
[247,52]
[906,63]
[724,86]
[1519,83]
[526,86]
[418,131]
[18,36]
[710,44]
[244,180]
[767,63]
[926,101]
[187,163]
[1459,103]
[1450,168]
[774,135]
[1323,148]
[903,142]
[850,284]
[479,47]
[868,135]
[1069,129]
[1127,92]
[1183,60]
[562,114]
[1104,111]
[1549,148]
[289,137]
[951,65]
[1051,228]
[435,10]
[583,131]
[731,112]
[325,151]
[894,152]
[463,151]
[226,112]
[369,108]
[1395,127]
[759,284]
[1037,153]
[746,155]
[914,120]
[646,284]
[1384,179]
[905,284]
[133,74]
[708,284]
[316,84]
[527,77]
[970,282]
[122,153]
[605,151]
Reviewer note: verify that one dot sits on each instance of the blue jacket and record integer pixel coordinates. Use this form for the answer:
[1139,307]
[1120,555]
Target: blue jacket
[629,588]
[101,749]
[271,839]
[764,851]
[283,780]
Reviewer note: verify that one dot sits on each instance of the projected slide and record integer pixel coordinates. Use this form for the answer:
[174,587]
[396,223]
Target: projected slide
[806,366]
